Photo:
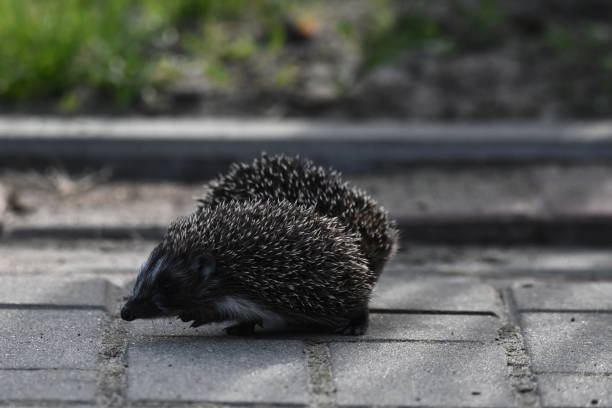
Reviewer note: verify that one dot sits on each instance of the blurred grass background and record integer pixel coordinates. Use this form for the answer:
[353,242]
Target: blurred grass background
[130,54]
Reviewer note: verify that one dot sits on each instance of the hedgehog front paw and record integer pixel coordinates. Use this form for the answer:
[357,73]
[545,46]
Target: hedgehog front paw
[241,329]
[196,317]
[186,317]
[198,323]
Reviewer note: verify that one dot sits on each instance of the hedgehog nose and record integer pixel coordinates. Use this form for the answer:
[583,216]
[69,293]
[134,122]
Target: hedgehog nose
[126,314]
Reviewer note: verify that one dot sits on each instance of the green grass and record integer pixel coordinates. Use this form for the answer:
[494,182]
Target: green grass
[53,49]
[119,50]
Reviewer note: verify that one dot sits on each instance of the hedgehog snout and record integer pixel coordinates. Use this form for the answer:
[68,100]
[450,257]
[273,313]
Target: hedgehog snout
[138,309]
[126,313]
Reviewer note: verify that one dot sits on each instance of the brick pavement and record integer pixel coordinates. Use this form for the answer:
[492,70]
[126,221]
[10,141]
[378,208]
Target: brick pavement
[437,338]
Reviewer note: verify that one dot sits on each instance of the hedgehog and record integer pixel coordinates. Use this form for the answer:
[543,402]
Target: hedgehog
[300,181]
[258,263]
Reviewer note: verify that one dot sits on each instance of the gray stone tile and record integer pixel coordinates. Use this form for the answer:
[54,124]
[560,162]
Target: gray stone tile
[50,338]
[420,374]
[432,327]
[397,291]
[564,296]
[74,256]
[382,327]
[49,385]
[173,327]
[565,390]
[217,370]
[61,291]
[569,342]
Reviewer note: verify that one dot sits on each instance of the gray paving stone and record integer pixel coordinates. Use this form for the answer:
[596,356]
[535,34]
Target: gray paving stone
[569,342]
[75,257]
[563,390]
[432,327]
[564,296]
[62,291]
[49,385]
[382,327]
[172,327]
[217,370]
[400,291]
[35,339]
[420,374]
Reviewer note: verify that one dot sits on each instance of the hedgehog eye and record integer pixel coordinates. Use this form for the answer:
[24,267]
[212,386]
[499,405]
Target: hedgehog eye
[166,286]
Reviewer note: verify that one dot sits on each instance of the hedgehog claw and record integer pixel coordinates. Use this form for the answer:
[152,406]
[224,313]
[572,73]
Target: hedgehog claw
[197,323]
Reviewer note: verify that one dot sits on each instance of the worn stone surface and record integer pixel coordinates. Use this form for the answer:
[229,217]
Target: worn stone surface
[569,342]
[73,257]
[50,385]
[438,357]
[432,327]
[35,339]
[58,291]
[58,199]
[173,327]
[564,296]
[525,263]
[123,257]
[421,374]
[403,292]
[53,352]
[565,390]
[217,370]
[382,327]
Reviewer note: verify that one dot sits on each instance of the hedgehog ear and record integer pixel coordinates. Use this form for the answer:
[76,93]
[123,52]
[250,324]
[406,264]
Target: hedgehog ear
[207,266]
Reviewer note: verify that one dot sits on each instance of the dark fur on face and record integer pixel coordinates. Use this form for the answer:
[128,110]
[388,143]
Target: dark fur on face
[169,283]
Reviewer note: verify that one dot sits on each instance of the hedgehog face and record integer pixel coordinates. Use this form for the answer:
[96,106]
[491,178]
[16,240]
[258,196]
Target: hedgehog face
[168,284]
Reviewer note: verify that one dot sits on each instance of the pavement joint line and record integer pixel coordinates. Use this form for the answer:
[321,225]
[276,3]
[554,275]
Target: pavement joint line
[577,274]
[43,403]
[112,363]
[84,232]
[523,380]
[579,373]
[578,230]
[44,369]
[208,404]
[434,312]
[320,377]
[49,306]
[566,311]
[324,339]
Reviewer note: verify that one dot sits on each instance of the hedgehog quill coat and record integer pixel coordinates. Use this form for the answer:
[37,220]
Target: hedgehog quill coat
[301,182]
[253,262]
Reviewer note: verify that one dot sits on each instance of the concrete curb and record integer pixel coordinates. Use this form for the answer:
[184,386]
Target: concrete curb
[189,149]
[586,230]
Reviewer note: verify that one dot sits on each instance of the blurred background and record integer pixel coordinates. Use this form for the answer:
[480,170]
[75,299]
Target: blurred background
[482,126]
[114,113]
[428,60]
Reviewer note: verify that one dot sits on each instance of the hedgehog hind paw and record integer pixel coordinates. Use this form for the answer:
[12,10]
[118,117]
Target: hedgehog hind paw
[241,329]
[352,330]
[357,326]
